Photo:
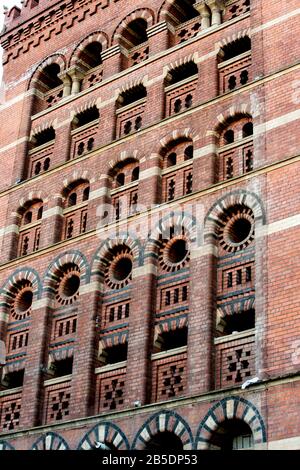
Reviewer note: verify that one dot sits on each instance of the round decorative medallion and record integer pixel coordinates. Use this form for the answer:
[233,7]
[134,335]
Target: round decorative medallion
[22,300]
[174,254]
[119,269]
[67,287]
[237,229]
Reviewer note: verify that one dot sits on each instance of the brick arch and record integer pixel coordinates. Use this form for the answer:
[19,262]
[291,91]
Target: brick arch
[4,445]
[230,408]
[100,258]
[163,145]
[22,274]
[180,219]
[164,12]
[164,421]
[179,62]
[42,127]
[121,158]
[104,432]
[58,59]
[238,197]
[77,176]
[31,198]
[242,110]
[143,13]
[229,39]
[74,257]
[50,441]
[170,324]
[96,36]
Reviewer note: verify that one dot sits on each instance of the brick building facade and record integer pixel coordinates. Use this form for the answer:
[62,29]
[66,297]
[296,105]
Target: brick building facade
[150,225]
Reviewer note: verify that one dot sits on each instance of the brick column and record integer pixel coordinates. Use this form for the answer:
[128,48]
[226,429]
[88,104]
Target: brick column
[21,150]
[52,222]
[140,335]
[208,68]
[158,37]
[155,99]
[83,382]
[62,141]
[205,165]
[36,360]
[112,60]
[200,329]
[150,181]
[10,238]
[99,204]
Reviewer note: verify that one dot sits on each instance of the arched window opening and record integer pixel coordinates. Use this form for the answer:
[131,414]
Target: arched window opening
[90,60]
[84,133]
[180,88]
[135,41]
[61,368]
[179,181]
[239,158]
[125,199]
[44,137]
[30,228]
[76,210]
[164,441]
[175,338]
[185,19]
[41,151]
[12,380]
[235,65]
[51,87]
[232,434]
[130,110]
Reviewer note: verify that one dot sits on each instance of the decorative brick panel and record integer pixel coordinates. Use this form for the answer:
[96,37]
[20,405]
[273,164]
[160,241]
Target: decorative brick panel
[83,140]
[180,97]
[57,402]
[235,73]
[116,314]
[64,328]
[111,390]
[75,222]
[187,30]
[169,377]
[138,54]
[53,96]
[10,410]
[235,361]
[125,203]
[177,183]
[236,161]
[17,341]
[92,77]
[236,8]
[29,240]
[40,160]
[130,120]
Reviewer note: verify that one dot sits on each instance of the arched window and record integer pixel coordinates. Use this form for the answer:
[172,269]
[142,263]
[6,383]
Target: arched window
[76,210]
[114,313]
[134,41]
[164,441]
[169,367]
[177,173]
[232,434]
[30,228]
[42,145]
[90,60]
[180,88]
[235,64]
[236,148]
[235,309]
[130,110]
[50,87]
[84,131]
[124,191]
